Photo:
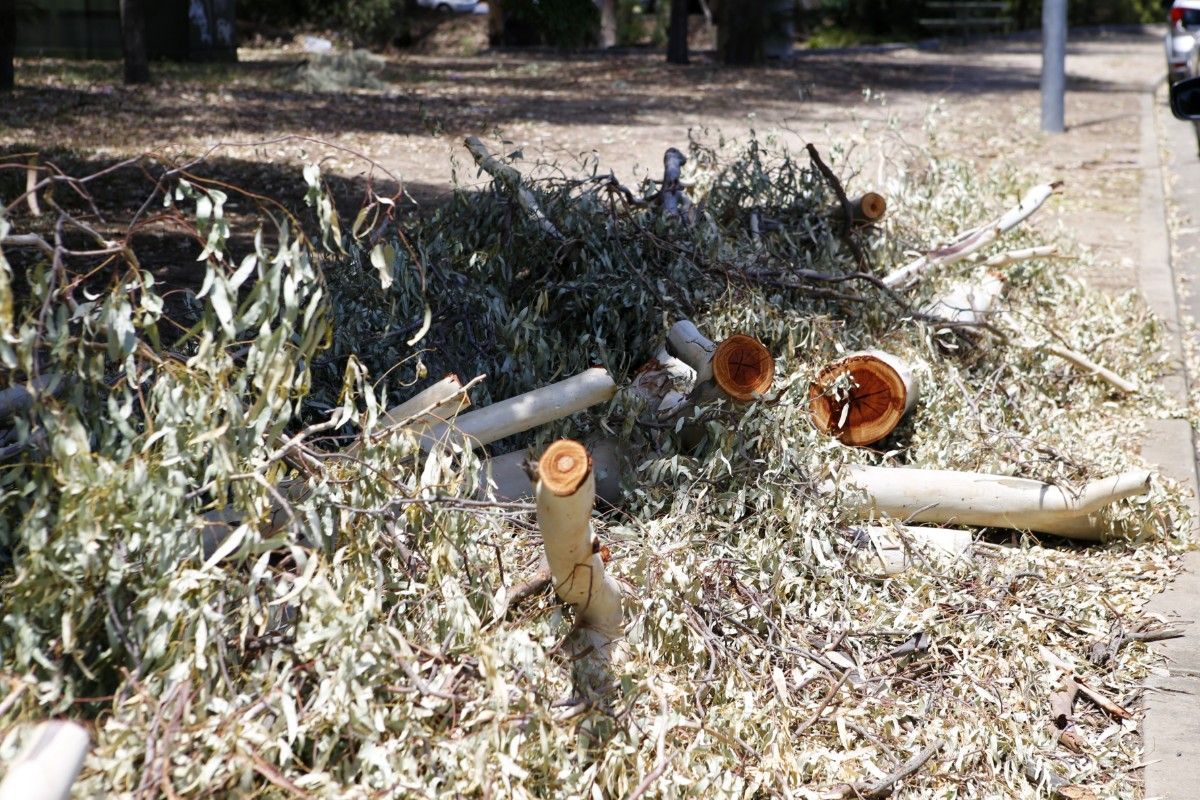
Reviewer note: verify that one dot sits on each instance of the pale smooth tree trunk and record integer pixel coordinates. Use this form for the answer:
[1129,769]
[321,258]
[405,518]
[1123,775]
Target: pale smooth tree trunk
[981,500]
[505,478]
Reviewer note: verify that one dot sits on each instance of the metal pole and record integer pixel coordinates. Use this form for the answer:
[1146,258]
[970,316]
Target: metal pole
[1054,63]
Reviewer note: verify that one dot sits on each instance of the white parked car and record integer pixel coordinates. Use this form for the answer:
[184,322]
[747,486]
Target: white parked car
[1183,23]
[463,6]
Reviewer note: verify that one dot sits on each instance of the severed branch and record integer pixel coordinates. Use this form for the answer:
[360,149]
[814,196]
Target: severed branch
[982,500]
[512,180]
[1071,356]
[671,195]
[565,490]
[885,785]
[974,240]
[844,202]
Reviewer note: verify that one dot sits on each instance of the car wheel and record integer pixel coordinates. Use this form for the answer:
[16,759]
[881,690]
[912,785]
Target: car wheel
[444,8]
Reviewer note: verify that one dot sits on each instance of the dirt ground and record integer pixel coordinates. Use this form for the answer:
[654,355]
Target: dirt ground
[624,110]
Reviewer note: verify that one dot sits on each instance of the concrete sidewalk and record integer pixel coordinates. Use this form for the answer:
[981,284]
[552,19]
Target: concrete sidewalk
[1171,173]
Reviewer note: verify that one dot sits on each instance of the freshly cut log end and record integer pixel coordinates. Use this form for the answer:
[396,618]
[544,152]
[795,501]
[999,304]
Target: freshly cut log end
[872,405]
[870,207]
[564,466]
[742,367]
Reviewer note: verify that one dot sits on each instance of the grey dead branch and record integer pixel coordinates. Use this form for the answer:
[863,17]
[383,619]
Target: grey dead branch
[644,550]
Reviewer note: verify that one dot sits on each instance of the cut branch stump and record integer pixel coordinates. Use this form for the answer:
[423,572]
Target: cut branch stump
[565,491]
[862,397]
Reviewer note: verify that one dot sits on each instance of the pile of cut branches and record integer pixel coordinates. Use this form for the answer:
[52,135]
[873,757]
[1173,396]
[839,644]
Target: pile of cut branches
[284,531]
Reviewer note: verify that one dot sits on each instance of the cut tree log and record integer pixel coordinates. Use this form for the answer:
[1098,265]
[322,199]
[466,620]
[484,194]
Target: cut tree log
[523,412]
[48,764]
[994,501]
[972,241]
[861,397]
[740,366]
[866,209]
[513,181]
[890,550]
[565,491]
[505,477]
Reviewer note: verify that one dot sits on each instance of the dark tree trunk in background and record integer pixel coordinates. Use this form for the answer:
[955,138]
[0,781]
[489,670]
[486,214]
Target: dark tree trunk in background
[133,42]
[677,33]
[8,43]
[741,29]
[608,23]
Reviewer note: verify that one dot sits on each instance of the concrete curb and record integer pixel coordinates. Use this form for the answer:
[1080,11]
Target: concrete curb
[1171,727]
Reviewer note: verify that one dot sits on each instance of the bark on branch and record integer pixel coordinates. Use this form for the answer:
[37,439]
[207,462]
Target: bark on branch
[974,240]
[994,501]
[526,411]
[565,492]
[512,180]
[740,366]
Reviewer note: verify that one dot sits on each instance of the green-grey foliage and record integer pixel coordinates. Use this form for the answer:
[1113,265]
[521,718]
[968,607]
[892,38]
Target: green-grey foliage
[362,650]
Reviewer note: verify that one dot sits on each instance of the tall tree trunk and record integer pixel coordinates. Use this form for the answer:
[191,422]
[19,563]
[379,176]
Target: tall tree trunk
[133,42]
[496,23]
[608,23]
[8,43]
[741,29]
[677,33]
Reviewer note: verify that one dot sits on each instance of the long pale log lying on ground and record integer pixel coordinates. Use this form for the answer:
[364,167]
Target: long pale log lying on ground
[504,477]
[974,240]
[995,501]
[511,178]
[49,764]
[891,550]
[740,366]
[881,390]
[968,303]
[526,411]
[565,493]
